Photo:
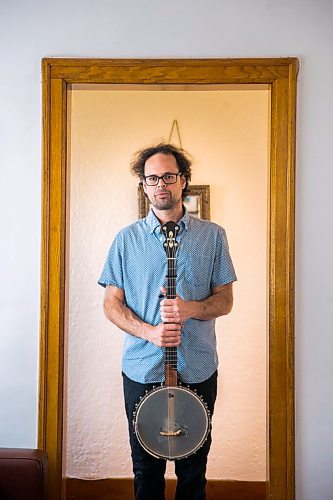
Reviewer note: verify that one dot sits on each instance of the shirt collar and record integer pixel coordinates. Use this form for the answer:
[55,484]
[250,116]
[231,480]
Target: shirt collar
[153,222]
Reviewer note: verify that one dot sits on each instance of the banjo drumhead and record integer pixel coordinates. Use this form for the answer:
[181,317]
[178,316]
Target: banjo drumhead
[171,422]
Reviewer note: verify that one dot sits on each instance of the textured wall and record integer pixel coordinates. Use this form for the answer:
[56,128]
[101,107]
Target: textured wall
[226,132]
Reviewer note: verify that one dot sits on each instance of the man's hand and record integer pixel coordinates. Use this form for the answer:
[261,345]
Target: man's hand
[175,310]
[217,304]
[164,334]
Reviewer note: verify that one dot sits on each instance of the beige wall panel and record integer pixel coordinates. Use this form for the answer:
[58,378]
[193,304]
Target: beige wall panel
[226,132]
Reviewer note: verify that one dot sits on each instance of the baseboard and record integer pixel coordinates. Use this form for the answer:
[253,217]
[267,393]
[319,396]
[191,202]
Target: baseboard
[122,489]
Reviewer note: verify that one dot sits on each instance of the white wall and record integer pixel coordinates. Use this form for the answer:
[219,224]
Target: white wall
[191,28]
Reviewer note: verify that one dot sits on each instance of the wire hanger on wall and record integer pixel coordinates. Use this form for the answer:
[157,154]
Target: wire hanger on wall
[176,127]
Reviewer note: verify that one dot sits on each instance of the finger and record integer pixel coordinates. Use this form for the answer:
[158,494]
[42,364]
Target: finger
[172,327]
[171,338]
[167,313]
[171,320]
[170,344]
[167,302]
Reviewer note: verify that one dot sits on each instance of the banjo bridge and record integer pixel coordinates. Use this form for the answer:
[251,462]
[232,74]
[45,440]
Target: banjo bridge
[171,433]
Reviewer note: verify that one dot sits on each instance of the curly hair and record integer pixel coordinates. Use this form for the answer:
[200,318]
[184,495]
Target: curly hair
[181,156]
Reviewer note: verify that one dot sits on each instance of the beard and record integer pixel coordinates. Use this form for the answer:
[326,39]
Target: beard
[167,203]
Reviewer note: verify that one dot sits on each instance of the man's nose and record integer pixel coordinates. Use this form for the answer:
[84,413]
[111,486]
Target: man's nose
[162,181]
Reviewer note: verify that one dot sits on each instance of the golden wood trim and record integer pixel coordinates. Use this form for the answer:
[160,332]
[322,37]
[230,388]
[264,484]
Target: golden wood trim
[122,489]
[281,339]
[280,74]
[53,275]
[179,71]
[42,421]
[164,74]
[290,281]
[211,61]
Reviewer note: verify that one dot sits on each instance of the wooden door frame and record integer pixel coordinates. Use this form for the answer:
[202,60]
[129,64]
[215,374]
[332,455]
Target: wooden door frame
[281,75]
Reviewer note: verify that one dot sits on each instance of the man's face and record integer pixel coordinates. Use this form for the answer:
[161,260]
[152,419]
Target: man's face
[163,196]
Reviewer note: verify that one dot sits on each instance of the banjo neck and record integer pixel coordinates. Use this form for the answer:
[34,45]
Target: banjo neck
[170,230]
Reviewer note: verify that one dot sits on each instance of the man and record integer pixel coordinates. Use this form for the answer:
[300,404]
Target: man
[134,275]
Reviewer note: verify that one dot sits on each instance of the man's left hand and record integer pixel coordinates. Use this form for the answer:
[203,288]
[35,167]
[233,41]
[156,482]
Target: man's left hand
[175,310]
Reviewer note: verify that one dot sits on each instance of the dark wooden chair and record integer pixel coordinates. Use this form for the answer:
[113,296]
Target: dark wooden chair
[23,474]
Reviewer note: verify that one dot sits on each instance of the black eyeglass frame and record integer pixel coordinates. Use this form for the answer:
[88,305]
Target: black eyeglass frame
[158,177]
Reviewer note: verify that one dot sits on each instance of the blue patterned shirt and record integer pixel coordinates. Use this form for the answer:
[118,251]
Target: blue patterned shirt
[137,263]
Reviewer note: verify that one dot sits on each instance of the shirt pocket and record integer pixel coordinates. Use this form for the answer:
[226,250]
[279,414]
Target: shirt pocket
[197,276]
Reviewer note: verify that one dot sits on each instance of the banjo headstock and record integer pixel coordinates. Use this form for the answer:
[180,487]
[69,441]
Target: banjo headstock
[170,230]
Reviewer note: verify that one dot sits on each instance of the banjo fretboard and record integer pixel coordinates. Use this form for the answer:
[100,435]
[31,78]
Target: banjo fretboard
[170,230]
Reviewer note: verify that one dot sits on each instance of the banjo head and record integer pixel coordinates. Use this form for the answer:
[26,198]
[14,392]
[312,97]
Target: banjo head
[171,422]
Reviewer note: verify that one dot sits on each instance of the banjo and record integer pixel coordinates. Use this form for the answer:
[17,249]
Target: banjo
[171,421]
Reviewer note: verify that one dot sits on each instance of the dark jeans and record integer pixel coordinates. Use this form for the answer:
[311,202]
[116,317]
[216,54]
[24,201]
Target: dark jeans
[149,482]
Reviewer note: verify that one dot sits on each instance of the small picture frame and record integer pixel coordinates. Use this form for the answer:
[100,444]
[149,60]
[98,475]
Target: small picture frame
[197,202]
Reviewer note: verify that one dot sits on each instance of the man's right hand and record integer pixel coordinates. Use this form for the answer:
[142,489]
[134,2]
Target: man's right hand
[164,334]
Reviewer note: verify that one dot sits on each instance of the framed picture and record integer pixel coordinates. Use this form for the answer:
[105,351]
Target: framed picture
[197,202]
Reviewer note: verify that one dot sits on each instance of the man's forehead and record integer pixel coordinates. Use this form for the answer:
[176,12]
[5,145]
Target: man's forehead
[160,161]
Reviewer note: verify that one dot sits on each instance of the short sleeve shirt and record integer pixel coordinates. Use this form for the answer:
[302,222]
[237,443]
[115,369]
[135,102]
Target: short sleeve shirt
[137,263]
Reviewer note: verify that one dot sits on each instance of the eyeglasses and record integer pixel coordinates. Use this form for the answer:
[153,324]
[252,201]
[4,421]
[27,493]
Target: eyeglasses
[153,180]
